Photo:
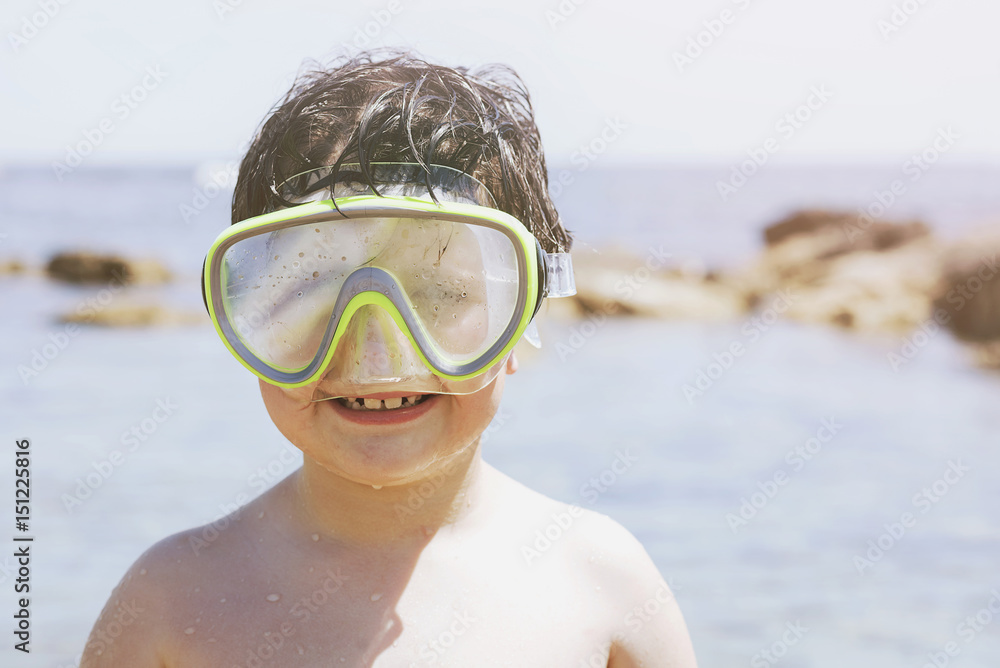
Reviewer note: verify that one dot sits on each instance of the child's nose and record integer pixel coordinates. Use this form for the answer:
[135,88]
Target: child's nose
[373,349]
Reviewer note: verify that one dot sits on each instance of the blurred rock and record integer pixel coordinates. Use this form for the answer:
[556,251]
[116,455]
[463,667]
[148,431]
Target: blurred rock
[986,355]
[844,270]
[969,289]
[855,232]
[617,282]
[87,267]
[12,267]
[135,315]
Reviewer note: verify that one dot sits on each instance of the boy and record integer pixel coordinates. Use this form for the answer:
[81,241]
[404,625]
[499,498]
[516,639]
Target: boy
[395,237]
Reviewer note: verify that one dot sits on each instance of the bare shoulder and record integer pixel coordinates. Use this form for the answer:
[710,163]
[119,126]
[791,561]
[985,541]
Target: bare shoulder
[144,613]
[130,629]
[649,626]
[649,629]
[644,622]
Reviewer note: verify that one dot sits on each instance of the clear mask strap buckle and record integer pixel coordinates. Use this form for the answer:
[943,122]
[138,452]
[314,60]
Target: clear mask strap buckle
[559,280]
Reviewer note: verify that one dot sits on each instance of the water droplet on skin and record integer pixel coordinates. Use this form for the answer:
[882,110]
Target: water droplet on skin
[222,600]
[376,597]
[142,571]
[376,486]
[274,597]
[197,589]
[211,640]
[299,647]
[311,569]
[189,630]
[315,537]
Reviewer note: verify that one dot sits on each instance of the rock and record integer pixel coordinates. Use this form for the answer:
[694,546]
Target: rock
[871,291]
[807,221]
[969,288]
[841,269]
[12,267]
[135,315]
[844,232]
[86,267]
[619,282]
[986,355]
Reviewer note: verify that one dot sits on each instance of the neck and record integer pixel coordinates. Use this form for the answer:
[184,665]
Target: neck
[400,515]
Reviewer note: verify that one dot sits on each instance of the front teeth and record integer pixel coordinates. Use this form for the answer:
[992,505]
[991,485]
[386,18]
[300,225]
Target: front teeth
[392,403]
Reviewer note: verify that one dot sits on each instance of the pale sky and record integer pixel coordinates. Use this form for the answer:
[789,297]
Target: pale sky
[223,63]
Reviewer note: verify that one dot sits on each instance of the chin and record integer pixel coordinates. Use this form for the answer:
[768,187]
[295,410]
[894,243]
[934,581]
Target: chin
[384,461]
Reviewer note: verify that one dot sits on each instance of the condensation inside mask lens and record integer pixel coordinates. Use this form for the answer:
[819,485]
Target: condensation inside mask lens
[459,281]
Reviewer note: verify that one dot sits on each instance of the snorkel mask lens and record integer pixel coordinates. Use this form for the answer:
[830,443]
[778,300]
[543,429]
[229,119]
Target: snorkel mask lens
[366,293]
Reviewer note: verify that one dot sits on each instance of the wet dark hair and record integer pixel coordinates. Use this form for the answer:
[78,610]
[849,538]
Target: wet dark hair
[390,106]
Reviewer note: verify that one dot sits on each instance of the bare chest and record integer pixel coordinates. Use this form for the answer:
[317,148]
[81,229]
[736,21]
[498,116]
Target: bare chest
[330,617]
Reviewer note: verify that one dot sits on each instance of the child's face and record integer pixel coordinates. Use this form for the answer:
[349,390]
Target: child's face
[384,447]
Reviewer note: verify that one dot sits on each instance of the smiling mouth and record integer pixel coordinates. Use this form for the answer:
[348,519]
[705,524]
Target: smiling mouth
[388,404]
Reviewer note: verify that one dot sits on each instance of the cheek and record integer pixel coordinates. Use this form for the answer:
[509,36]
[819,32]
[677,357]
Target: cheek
[477,409]
[289,409]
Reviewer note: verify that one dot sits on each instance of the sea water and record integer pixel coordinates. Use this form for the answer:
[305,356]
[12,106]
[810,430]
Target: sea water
[810,505]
